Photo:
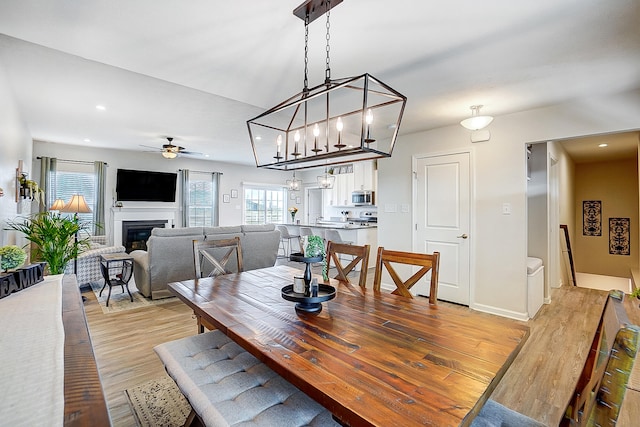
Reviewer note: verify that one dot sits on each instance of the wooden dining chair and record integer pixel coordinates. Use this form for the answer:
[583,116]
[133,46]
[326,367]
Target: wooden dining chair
[425,261]
[212,256]
[360,256]
[210,259]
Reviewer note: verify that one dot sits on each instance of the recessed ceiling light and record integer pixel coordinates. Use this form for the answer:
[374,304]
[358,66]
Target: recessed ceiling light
[206,155]
[258,138]
[101,107]
[86,140]
[603,145]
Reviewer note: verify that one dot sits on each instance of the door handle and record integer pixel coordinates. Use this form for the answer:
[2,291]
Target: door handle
[462,236]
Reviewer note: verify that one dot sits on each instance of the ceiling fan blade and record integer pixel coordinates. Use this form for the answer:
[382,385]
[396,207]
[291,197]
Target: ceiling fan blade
[191,153]
[153,148]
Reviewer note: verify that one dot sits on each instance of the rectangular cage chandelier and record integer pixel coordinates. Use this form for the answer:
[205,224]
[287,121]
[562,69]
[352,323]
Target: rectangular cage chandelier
[339,121]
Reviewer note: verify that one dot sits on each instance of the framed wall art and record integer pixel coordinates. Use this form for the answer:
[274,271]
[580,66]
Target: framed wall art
[592,218]
[619,243]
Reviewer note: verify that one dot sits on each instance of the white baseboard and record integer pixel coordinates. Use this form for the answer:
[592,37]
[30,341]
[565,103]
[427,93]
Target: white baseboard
[523,316]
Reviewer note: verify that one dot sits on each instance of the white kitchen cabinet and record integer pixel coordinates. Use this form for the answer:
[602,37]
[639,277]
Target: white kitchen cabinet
[340,194]
[363,176]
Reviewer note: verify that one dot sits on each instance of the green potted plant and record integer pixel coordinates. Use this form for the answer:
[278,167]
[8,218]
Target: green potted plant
[54,237]
[314,247]
[11,257]
[635,293]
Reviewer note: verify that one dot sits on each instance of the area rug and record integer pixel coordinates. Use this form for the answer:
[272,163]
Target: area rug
[120,301]
[158,403]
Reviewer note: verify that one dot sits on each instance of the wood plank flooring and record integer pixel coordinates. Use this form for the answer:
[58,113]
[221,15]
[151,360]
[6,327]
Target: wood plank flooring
[538,384]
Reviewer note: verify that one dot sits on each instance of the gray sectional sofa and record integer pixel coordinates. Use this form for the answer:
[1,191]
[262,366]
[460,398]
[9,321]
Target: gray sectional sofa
[169,254]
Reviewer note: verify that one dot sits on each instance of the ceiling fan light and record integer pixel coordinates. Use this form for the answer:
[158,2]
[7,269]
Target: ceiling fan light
[169,154]
[476,122]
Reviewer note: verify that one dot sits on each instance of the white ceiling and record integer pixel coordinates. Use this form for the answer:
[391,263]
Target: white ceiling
[197,70]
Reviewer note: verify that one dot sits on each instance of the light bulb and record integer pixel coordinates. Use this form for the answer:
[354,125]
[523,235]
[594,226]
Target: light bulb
[316,130]
[339,124]
[369,117]
[296,136]
[279,141]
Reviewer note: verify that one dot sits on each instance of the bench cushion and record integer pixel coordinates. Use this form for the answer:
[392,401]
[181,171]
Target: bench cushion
[227,386]
[494,414]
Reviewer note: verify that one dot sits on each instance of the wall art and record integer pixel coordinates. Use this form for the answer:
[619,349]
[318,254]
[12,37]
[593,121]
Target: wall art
[592,218]
[619,243]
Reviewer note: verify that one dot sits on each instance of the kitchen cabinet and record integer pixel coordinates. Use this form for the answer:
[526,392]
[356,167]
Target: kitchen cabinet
[340,194]
[363,176]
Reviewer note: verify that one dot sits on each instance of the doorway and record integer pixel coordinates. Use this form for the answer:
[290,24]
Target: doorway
[314,204]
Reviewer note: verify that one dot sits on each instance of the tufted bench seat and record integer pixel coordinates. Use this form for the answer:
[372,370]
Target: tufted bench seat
[227,386]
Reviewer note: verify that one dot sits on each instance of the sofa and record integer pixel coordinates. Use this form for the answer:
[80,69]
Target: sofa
[169,255]
[89,261]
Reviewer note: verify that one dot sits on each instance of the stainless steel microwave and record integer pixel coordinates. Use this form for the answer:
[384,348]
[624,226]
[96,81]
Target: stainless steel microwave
[363,198]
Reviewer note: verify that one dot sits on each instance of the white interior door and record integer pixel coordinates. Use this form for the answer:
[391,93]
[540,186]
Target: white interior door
[443,220]
[314,204]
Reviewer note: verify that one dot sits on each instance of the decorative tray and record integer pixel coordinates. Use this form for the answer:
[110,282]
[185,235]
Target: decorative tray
[309,304]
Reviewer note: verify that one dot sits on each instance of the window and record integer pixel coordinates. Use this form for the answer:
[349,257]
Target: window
[72,178]
[264,205]
[202,202]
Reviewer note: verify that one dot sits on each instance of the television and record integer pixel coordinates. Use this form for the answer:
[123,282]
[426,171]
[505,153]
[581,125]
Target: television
[145,186]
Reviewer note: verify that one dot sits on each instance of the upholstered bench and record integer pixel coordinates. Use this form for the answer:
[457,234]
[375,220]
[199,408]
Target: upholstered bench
[227,386]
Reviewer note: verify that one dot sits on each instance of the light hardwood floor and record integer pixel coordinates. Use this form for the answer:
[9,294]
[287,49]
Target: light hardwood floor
[538,384]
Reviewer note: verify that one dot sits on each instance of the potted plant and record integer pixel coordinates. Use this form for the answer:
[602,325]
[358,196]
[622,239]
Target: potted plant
[11,257]
[314,247]
[54,237]
[635,293]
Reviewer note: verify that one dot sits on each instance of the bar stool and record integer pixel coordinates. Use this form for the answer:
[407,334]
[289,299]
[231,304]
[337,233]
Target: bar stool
[304,231]
[285,236]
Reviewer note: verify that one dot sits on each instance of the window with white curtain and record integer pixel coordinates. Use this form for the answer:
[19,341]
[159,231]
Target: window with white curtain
[264,205]
[75,178]
[202,199]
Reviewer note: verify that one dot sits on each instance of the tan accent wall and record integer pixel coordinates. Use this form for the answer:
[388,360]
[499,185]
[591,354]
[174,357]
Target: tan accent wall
[614,183]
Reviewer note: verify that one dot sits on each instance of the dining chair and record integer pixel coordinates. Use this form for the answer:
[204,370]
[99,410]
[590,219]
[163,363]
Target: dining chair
[285,237]
[212,256]
[360,256]
[425,261]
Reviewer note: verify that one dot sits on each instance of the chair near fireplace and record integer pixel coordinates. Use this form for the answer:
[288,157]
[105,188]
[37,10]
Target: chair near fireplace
[136,233]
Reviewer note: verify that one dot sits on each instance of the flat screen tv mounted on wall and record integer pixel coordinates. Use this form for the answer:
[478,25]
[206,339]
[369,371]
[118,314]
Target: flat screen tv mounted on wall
[145,186]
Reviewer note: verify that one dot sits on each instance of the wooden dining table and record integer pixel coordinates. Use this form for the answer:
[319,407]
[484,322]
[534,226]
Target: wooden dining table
[371,358]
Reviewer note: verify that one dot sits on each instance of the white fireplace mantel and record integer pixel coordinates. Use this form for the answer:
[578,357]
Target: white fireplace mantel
[119,215]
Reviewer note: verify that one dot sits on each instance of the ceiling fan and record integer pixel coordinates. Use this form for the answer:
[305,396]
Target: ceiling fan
[171,151]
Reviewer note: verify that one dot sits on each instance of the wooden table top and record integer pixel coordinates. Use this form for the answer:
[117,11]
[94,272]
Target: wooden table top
[370,358]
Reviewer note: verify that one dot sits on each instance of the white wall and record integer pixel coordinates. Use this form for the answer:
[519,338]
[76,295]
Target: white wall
[499,242]
[232,175]
[15,145]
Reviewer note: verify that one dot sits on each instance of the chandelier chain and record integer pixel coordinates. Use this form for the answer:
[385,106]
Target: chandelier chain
[306,52]
[327,73]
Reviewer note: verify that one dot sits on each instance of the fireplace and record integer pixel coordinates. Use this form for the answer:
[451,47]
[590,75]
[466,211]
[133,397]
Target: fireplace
[136,233]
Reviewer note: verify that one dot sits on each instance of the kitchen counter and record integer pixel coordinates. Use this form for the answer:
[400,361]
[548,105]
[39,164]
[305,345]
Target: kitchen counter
[336,225]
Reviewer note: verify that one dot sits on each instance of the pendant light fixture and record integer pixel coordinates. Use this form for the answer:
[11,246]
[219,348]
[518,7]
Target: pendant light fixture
[338,121]
[476,121]
[326,180]
[294,184]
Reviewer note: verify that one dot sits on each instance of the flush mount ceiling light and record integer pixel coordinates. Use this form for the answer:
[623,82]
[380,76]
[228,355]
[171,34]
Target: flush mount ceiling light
[476,121]
[294,184]
[168,154]
[339,121]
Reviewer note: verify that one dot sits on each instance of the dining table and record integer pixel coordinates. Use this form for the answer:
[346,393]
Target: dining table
[370,357]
